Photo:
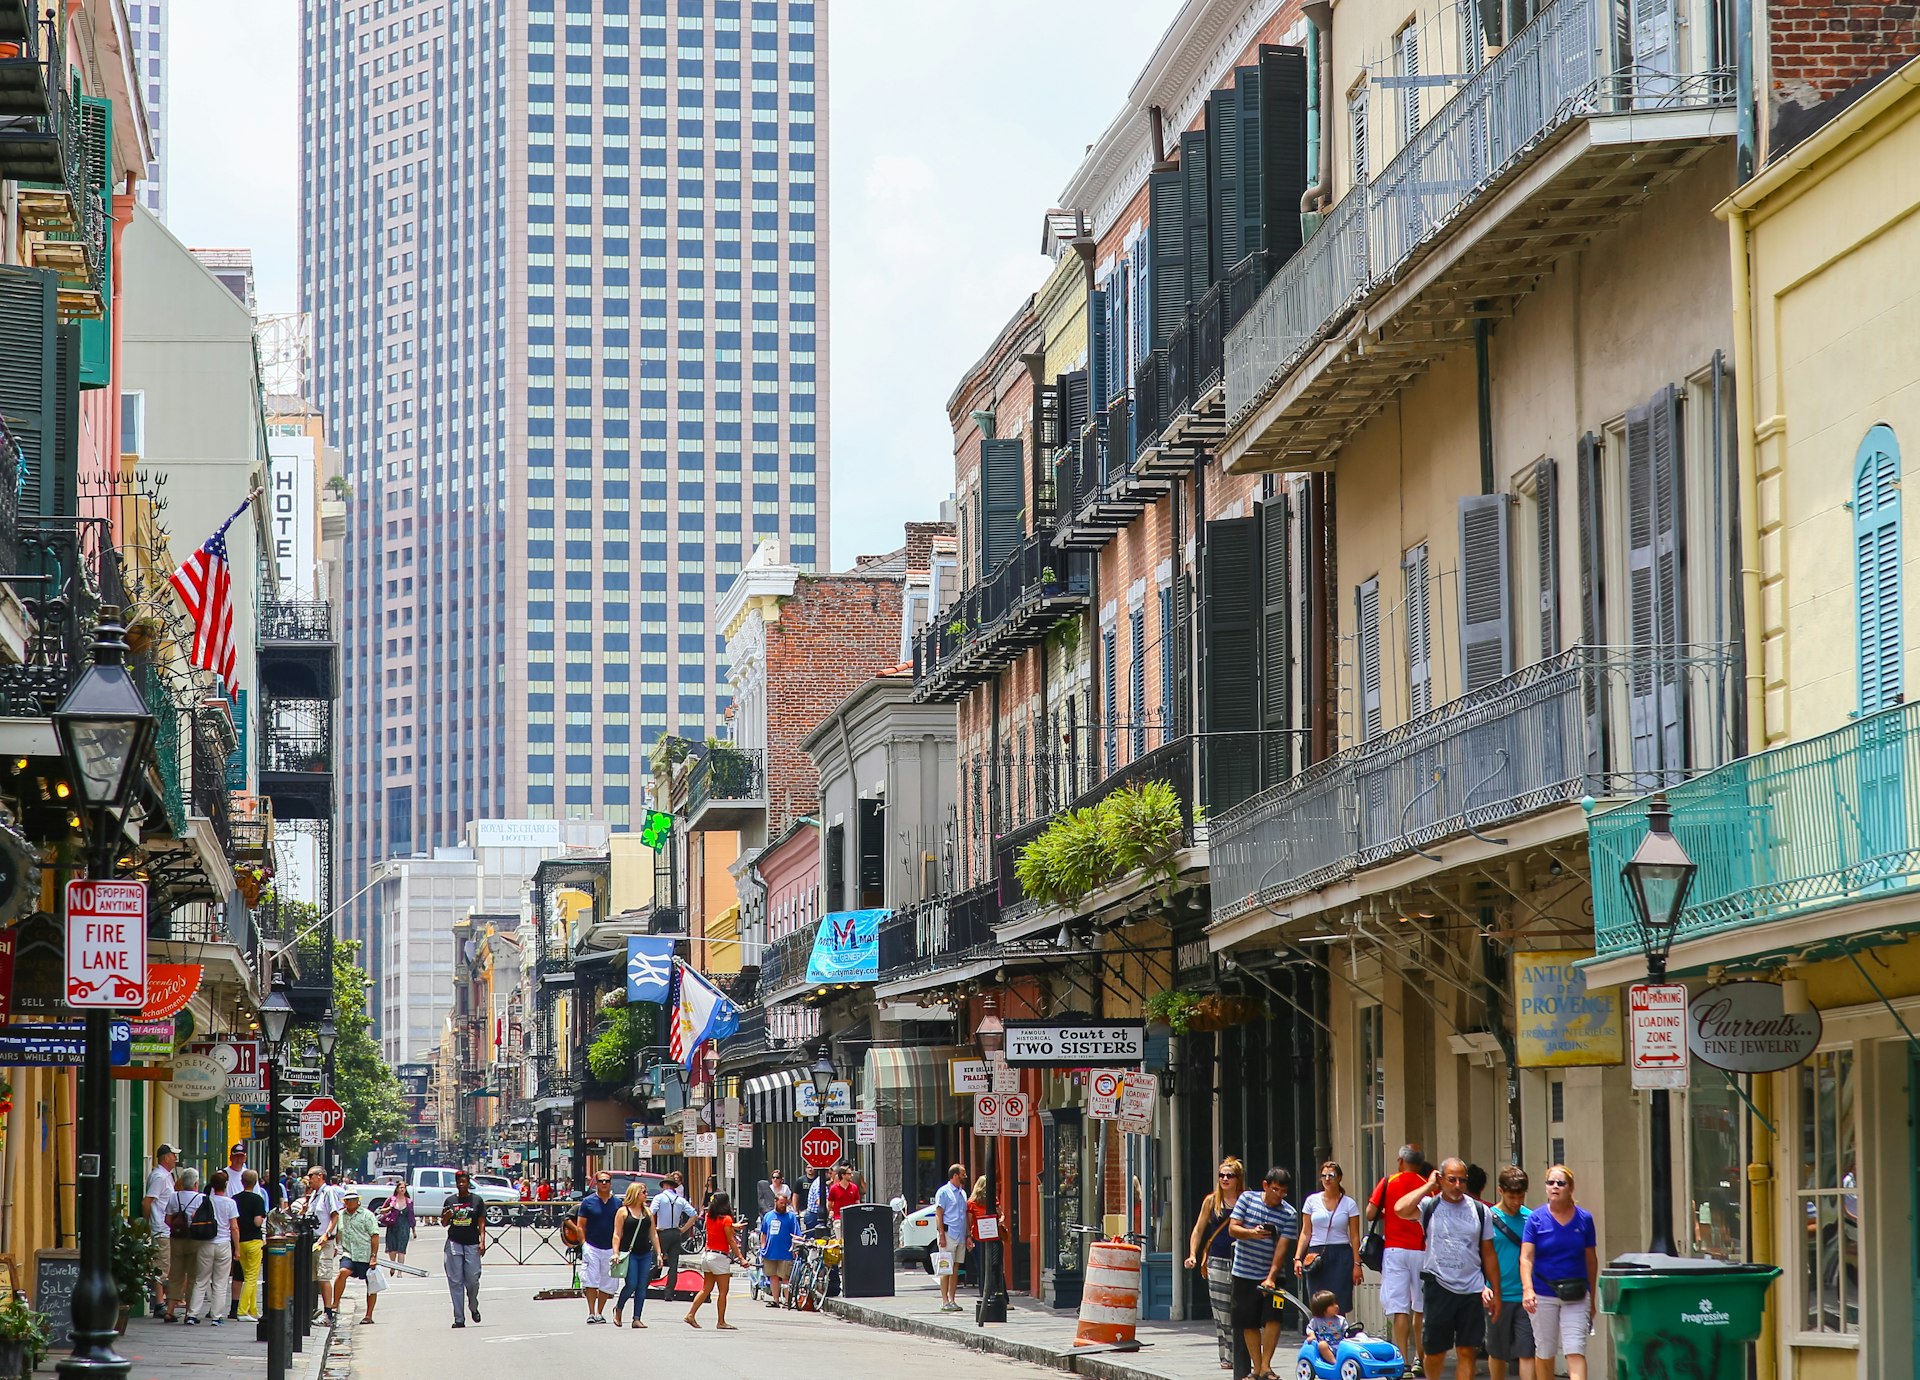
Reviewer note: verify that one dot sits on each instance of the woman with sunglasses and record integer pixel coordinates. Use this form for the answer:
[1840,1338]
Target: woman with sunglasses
[1331,1258]
[1559,1270]
[1214,1243]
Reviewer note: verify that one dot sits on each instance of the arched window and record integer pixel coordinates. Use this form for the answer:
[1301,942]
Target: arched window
[1876,567]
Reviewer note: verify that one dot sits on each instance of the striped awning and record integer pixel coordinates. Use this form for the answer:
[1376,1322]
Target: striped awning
[770,1096]
[767,1082]
[912,1082]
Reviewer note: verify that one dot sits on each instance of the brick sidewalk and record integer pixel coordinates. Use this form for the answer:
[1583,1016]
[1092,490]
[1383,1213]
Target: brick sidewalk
[162,1352]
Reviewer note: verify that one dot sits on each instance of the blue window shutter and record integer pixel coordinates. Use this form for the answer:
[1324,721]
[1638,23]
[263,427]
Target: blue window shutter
[1137,686]
[1876,553]
[1097,346]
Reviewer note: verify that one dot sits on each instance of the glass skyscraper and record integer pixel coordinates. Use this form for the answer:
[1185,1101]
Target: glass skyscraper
[566,263]
[147,25]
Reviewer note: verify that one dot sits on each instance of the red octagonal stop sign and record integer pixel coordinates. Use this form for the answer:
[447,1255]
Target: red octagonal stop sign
[820,1148]
[333,1117]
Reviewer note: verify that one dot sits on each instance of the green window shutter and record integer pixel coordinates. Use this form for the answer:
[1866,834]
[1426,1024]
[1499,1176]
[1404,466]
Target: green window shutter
[1486,607]
[1110,690]
[96,334]
[1230,599]
[1276,641]
[29,303]
[1250,202]
[1223,134]
[1167,277]
[1183,654]
[1876,550]
[1366,622]
[1169,657]
[1419,632]
[1137,686]
[1546,538]
[1201,271]
[1283,150]
[1593,609]
[59,485]
[1002,496]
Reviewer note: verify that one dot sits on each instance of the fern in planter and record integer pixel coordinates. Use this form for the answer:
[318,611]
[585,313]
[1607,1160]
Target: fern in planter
[1144,825]
[1175,1008]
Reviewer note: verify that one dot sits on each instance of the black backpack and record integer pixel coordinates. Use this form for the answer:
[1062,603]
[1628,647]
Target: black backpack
[202,1226]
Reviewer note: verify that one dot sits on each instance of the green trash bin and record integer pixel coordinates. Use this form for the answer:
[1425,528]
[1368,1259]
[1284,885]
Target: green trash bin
[1677,1318]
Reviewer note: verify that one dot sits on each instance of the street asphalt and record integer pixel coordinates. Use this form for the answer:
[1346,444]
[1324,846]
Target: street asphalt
[520,1336]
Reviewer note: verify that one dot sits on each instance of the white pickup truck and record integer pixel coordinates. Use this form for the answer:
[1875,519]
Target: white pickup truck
[431,1187]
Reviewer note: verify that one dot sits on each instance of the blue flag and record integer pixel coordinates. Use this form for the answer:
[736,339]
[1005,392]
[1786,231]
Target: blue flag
[649,967]
[846,947]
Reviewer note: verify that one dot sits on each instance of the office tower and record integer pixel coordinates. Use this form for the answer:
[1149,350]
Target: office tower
[565,264]
[147,22]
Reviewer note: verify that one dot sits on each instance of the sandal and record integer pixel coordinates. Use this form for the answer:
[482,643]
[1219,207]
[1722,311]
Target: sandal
[638,1323]
[690,1320]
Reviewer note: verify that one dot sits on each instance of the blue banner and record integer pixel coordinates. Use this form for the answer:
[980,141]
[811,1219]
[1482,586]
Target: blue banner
[846,948]
[55,1043]
[649,967]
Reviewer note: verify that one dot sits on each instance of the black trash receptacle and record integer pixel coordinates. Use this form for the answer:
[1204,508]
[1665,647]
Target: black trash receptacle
[866,1244]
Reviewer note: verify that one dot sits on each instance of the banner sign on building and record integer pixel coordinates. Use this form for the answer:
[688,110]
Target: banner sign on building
[1743,1027]
[1070,1044]
[846,947]
[57,1043]
[1558,1022]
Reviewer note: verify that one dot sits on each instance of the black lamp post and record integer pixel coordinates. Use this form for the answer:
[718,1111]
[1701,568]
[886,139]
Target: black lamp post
[276,1014]
[991,1035]
[325,1036]
[1657,878]
[104,730]
[822,1075]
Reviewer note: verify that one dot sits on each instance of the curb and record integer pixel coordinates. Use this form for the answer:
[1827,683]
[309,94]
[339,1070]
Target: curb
[1095,1367]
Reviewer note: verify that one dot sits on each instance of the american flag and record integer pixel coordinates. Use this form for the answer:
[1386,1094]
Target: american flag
[204,583]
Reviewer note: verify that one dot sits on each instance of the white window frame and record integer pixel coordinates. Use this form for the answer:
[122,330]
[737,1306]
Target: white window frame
[1798,1198]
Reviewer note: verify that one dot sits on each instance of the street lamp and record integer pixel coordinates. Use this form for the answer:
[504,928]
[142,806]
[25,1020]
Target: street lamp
[103,728]
[1657,878]
[325,1036]
[991,1035]
[822,1075]
[276,1014]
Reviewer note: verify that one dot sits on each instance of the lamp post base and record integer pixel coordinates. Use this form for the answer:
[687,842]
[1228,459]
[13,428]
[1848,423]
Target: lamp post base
[94,1356]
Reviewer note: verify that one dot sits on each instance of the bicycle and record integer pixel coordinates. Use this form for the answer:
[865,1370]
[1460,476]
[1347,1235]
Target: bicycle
[814,1259]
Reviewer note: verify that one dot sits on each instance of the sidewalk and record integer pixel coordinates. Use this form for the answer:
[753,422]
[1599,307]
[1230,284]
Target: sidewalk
[160,1352]
[1042,1337]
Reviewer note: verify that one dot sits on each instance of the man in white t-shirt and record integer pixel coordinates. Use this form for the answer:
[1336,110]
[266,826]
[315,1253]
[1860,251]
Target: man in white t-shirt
[153,1204]
[323,1206]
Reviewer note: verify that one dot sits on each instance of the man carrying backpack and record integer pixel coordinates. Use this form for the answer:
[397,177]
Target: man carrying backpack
[1460,1272]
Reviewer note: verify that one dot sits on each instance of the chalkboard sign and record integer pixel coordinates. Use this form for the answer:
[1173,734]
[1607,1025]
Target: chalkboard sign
[55,1274]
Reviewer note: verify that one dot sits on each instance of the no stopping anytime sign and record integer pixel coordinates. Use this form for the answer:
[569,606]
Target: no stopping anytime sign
[1076,1045]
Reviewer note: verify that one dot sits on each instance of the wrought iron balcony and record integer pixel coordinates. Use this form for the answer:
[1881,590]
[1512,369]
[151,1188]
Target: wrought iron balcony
[727,785]
[783,963]
[296,620]
[1592,721]
[939,932]
[1597,131]
[1794,829]
[973,639]
[252,824]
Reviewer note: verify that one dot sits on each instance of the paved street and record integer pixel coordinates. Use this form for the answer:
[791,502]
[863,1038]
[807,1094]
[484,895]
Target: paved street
[518,1335]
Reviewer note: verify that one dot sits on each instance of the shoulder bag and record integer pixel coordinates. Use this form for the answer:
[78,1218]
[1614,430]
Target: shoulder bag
[1373,1246]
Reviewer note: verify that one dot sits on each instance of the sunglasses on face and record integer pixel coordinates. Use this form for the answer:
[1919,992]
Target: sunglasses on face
[1558,1183]
[1228,1174]
[1329,1176]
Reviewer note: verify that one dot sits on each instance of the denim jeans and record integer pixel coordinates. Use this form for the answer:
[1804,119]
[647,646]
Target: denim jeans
[639,1271]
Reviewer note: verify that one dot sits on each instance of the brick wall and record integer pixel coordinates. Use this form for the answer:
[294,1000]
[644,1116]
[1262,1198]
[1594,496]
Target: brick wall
[1822,57]
[920,539]
[835,634]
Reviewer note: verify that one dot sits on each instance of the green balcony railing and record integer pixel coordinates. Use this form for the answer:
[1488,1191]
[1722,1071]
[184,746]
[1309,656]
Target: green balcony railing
[1797,828]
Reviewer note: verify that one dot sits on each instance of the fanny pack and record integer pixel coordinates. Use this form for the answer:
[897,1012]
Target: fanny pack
[1569,1290]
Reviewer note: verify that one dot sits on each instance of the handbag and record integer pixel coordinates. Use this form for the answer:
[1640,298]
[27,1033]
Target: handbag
[1373,1246]
[1569,1290]
[617,1264]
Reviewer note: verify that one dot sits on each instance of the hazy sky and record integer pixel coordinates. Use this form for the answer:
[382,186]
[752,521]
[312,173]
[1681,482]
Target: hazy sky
[953,125]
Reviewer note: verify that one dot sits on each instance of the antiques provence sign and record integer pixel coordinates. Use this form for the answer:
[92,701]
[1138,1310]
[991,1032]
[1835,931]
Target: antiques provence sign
[1558,1022]
[1743,1027]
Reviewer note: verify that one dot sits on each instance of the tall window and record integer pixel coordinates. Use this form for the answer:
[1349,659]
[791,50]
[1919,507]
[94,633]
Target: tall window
[1827,1192]
[1372,1102]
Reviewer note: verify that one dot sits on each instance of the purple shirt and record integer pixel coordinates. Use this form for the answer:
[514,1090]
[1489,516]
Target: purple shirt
[1559,1252]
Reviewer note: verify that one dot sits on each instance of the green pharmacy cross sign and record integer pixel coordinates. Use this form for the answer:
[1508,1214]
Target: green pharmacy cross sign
[658,828]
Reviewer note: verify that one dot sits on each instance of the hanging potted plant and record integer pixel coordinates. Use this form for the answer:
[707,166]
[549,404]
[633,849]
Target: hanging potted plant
[23,1337]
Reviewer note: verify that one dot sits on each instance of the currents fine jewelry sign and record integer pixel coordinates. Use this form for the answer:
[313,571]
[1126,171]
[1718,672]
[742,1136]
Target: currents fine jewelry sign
[1742,1027]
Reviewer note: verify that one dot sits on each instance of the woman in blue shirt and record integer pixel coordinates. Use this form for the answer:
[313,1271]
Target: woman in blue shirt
[1559,1270]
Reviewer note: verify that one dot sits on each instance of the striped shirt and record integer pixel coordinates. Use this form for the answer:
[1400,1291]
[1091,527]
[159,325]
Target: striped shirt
[1253,1258]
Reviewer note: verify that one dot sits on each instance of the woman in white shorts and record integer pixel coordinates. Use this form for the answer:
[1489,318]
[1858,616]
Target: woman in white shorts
[1559,1271]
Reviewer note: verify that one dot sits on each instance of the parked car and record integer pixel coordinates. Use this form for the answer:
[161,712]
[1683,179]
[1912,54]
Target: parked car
[919,1235]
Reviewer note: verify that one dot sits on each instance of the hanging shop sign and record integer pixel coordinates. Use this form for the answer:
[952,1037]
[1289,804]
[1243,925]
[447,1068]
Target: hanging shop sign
[967,1077]
[39,967]
[197,1078]
[1066,1043]
[152,1039]
[1558,1022]
[56,1043]
[240,1059]
[1743,1027]
[170,986]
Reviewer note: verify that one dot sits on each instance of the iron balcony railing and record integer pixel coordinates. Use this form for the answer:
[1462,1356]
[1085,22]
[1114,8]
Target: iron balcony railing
[783,962]
[1592,721]
[939,932]
[1818,823]
[207,783]
[1032,589]
[1555,72]
[727,773]
[296,620]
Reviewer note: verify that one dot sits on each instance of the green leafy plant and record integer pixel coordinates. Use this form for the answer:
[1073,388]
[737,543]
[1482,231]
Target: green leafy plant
[956,627]
[1083,850]
[628,1030]
[1047,577]
[339,486]
[136,1260]
[1174,1008]
[24,1328]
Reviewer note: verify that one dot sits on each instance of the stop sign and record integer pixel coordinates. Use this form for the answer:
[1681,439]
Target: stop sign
[332,1117]
[820,1148]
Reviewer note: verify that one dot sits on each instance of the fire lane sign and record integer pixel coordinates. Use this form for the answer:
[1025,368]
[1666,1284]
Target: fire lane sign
[1657,1018]
[107,944]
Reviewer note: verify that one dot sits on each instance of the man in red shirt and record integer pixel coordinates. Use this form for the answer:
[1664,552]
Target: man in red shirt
[842,1192]
[1406,1246]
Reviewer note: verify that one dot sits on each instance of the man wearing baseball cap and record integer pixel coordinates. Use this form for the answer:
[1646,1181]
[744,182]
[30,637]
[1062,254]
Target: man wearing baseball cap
[153,1206]
[359,1233]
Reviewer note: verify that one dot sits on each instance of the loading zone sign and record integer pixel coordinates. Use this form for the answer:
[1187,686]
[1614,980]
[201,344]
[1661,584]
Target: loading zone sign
[1657,1019]
[1083,1044]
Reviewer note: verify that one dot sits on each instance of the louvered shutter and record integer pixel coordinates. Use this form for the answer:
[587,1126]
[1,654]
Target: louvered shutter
[29,303]
[1183,654]
[1367,657]
[1198,190]
[1140,322]
[1593,609]
[1357,135]
[1167,241]
[1656,588]
[1546,536]
[1169,660]
[1073,405]
[1876,555]
[1419,633]
[1230,660]
[96,334]
[1110,690]
[1097,324]
[1486,613]
[1249,203]
[1137,686]
[1283,150]
[1223,132]
[1409,53]
[1002,496]
[59,488]
[1276,641]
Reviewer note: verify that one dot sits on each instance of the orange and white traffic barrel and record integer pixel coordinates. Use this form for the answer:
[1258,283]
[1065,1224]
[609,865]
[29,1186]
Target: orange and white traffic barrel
[1110,1299]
